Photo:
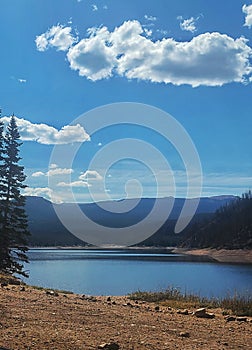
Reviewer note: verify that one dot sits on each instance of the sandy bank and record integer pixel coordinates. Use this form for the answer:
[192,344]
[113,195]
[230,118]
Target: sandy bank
[241,256]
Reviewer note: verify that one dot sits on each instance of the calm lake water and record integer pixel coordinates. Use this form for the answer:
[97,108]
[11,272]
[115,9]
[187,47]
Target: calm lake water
[118,272]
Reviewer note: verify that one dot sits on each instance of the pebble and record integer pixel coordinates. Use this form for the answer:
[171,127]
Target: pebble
[184,334]
[230,318]
[109,346]
[52,292]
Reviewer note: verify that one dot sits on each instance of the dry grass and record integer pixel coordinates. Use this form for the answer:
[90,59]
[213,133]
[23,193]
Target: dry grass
[240,305]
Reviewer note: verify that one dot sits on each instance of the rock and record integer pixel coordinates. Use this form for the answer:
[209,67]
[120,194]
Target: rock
[201,313]
[22,289]
[89,298]
[109,346]
[108,298]
[241,319]
[4,284]
[230,318]
[113,303]
[184,334]
[183,312]
[157,308]
[52,292]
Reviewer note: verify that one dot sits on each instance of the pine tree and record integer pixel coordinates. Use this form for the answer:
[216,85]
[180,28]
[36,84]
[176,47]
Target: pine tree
[2,187]
[13,242]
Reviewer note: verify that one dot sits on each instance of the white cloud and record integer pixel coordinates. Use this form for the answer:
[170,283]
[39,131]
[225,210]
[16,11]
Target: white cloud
[148,32]
[74,184]
[38,174]
[45,192]
[83,180]
[48,135]
[247,9]
[53,166]
[210,59]
[105,7]
[22,81]
[92,57]
[150,18]
[59,171]
[94,7]
[58,36]
[90,175]
[188,24]
[53,171]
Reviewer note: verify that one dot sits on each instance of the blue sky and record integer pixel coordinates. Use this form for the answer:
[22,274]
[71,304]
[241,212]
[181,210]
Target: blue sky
[191,59]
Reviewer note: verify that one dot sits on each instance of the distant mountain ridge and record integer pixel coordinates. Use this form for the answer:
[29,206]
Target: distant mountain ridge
[47,230]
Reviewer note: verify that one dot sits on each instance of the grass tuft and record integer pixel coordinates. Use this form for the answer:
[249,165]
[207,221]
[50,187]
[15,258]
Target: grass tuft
[240,305]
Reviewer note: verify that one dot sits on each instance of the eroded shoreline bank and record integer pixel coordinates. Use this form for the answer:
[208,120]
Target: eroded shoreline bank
[236,256]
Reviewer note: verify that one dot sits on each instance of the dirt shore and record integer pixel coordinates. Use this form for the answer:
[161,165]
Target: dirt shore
[241,256]
[32,319]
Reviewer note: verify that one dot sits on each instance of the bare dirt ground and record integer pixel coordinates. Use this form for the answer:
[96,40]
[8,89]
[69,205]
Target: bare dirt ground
[31,319]
[242,256]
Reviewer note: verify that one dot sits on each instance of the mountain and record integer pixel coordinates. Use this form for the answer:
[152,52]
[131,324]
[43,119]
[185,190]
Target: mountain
[45,227]
[230,227]
[47,230]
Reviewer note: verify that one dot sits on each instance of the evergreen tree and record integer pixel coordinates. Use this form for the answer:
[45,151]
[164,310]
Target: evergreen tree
[2,187]
[230,227]
[13,242]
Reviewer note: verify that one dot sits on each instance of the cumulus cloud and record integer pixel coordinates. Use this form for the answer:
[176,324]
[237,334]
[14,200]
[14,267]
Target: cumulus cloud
[210,59]
[93,57]
[53,171]
[38,174]
[84,180]
[90,175]
[247,9]
[59,171]
[58,36]
[45,192]
[188,24]
[48,135]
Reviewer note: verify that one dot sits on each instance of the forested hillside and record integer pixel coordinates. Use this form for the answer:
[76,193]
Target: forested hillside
[230,227]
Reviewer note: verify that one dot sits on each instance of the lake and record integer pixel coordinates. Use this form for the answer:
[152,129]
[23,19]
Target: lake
[118,272]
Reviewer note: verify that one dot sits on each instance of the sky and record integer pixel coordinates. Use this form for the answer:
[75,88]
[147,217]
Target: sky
[63,60]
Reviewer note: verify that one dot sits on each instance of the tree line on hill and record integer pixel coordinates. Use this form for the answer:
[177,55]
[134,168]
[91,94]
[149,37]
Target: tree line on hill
[230,227]
[13,220]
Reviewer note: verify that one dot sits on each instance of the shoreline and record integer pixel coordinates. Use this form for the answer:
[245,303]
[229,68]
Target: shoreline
[236,256]
[40,319]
